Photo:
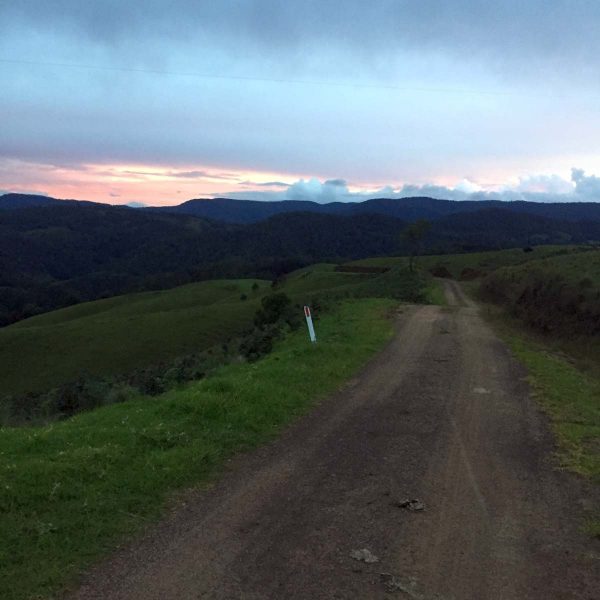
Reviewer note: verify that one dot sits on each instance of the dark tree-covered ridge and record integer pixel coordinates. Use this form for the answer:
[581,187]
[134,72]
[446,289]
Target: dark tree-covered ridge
[64,252]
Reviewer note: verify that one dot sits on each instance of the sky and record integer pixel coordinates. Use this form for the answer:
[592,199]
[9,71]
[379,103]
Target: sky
[162,101]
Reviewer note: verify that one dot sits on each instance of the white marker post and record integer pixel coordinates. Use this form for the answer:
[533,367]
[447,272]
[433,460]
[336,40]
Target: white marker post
[311,329]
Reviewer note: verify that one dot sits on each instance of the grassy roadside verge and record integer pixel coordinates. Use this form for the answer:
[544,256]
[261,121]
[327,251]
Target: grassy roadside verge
[569,395]
[434,293]
[70,491]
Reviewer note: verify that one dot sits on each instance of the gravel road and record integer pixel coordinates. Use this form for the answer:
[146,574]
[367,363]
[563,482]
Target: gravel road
[440,421]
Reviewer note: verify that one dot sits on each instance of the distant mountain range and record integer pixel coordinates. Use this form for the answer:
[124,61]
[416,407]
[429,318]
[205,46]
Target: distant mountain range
[13,201]
[406,209]
[59,252]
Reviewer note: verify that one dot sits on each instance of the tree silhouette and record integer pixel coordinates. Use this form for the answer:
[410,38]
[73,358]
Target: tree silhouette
[413,235]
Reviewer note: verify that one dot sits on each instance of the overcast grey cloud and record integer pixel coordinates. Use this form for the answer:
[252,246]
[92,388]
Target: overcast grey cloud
[386,93]
[538,31]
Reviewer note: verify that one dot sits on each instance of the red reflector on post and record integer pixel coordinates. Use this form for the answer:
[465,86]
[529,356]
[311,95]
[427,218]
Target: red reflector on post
[309,323]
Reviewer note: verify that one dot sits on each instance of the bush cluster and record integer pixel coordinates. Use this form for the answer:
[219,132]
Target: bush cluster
[546,300]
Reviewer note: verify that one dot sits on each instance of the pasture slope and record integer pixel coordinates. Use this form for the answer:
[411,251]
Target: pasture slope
[559,295]
[116,335]
[481,262]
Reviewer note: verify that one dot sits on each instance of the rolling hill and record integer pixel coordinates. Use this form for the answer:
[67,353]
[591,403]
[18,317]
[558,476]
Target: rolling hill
[14,201]
[229,210]
[556,295]
[114,336]
[406,209]
[480,263]
[68,252]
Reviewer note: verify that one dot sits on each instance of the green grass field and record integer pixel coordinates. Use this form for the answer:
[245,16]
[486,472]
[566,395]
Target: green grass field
[70,491]
[485,262]
[323,280]
[114,336]
[574,266]
[558,297]
[320,278]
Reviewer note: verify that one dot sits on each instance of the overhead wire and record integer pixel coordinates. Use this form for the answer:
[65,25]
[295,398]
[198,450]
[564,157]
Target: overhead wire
[278,80]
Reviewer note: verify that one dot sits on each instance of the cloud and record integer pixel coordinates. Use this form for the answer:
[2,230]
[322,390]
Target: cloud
[586,187]
[530,188]
[381,91]
[136,204]
[189,174]
[545,184]
[195,174]
[331,190]
[264,183]
[523,34]
[337,183]
[202,175]
[448,92]
[430,191]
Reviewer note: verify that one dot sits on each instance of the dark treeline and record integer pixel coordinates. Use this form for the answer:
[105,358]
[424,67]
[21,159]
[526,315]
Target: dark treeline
[406,209]
[64,253]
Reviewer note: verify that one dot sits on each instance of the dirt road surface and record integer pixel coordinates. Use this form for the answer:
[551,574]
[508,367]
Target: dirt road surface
[441,416]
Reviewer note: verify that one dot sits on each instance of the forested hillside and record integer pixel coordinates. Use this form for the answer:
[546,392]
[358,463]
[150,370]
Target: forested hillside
[61,253]
[408,209]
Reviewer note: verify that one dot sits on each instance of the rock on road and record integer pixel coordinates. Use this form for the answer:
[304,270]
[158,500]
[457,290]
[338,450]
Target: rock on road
[442,416]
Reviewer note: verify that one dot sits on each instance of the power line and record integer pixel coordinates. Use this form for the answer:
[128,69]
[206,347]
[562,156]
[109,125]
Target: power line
[199,75]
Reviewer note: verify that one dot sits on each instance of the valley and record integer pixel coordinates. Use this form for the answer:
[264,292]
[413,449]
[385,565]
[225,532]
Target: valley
[196,414]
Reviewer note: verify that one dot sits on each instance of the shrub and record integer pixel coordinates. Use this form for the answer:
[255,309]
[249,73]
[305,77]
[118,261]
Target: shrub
[440,271]
[259,342]
[273,308]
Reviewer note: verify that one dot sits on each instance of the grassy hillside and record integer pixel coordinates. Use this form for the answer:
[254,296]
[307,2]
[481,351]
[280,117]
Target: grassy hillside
[112,336]
[324,280]
[72,490]
[574,266]
[68,252]
[480,262]
[321,277]
[558,295]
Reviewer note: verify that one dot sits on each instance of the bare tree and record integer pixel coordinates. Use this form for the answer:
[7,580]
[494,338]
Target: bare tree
[413,235]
